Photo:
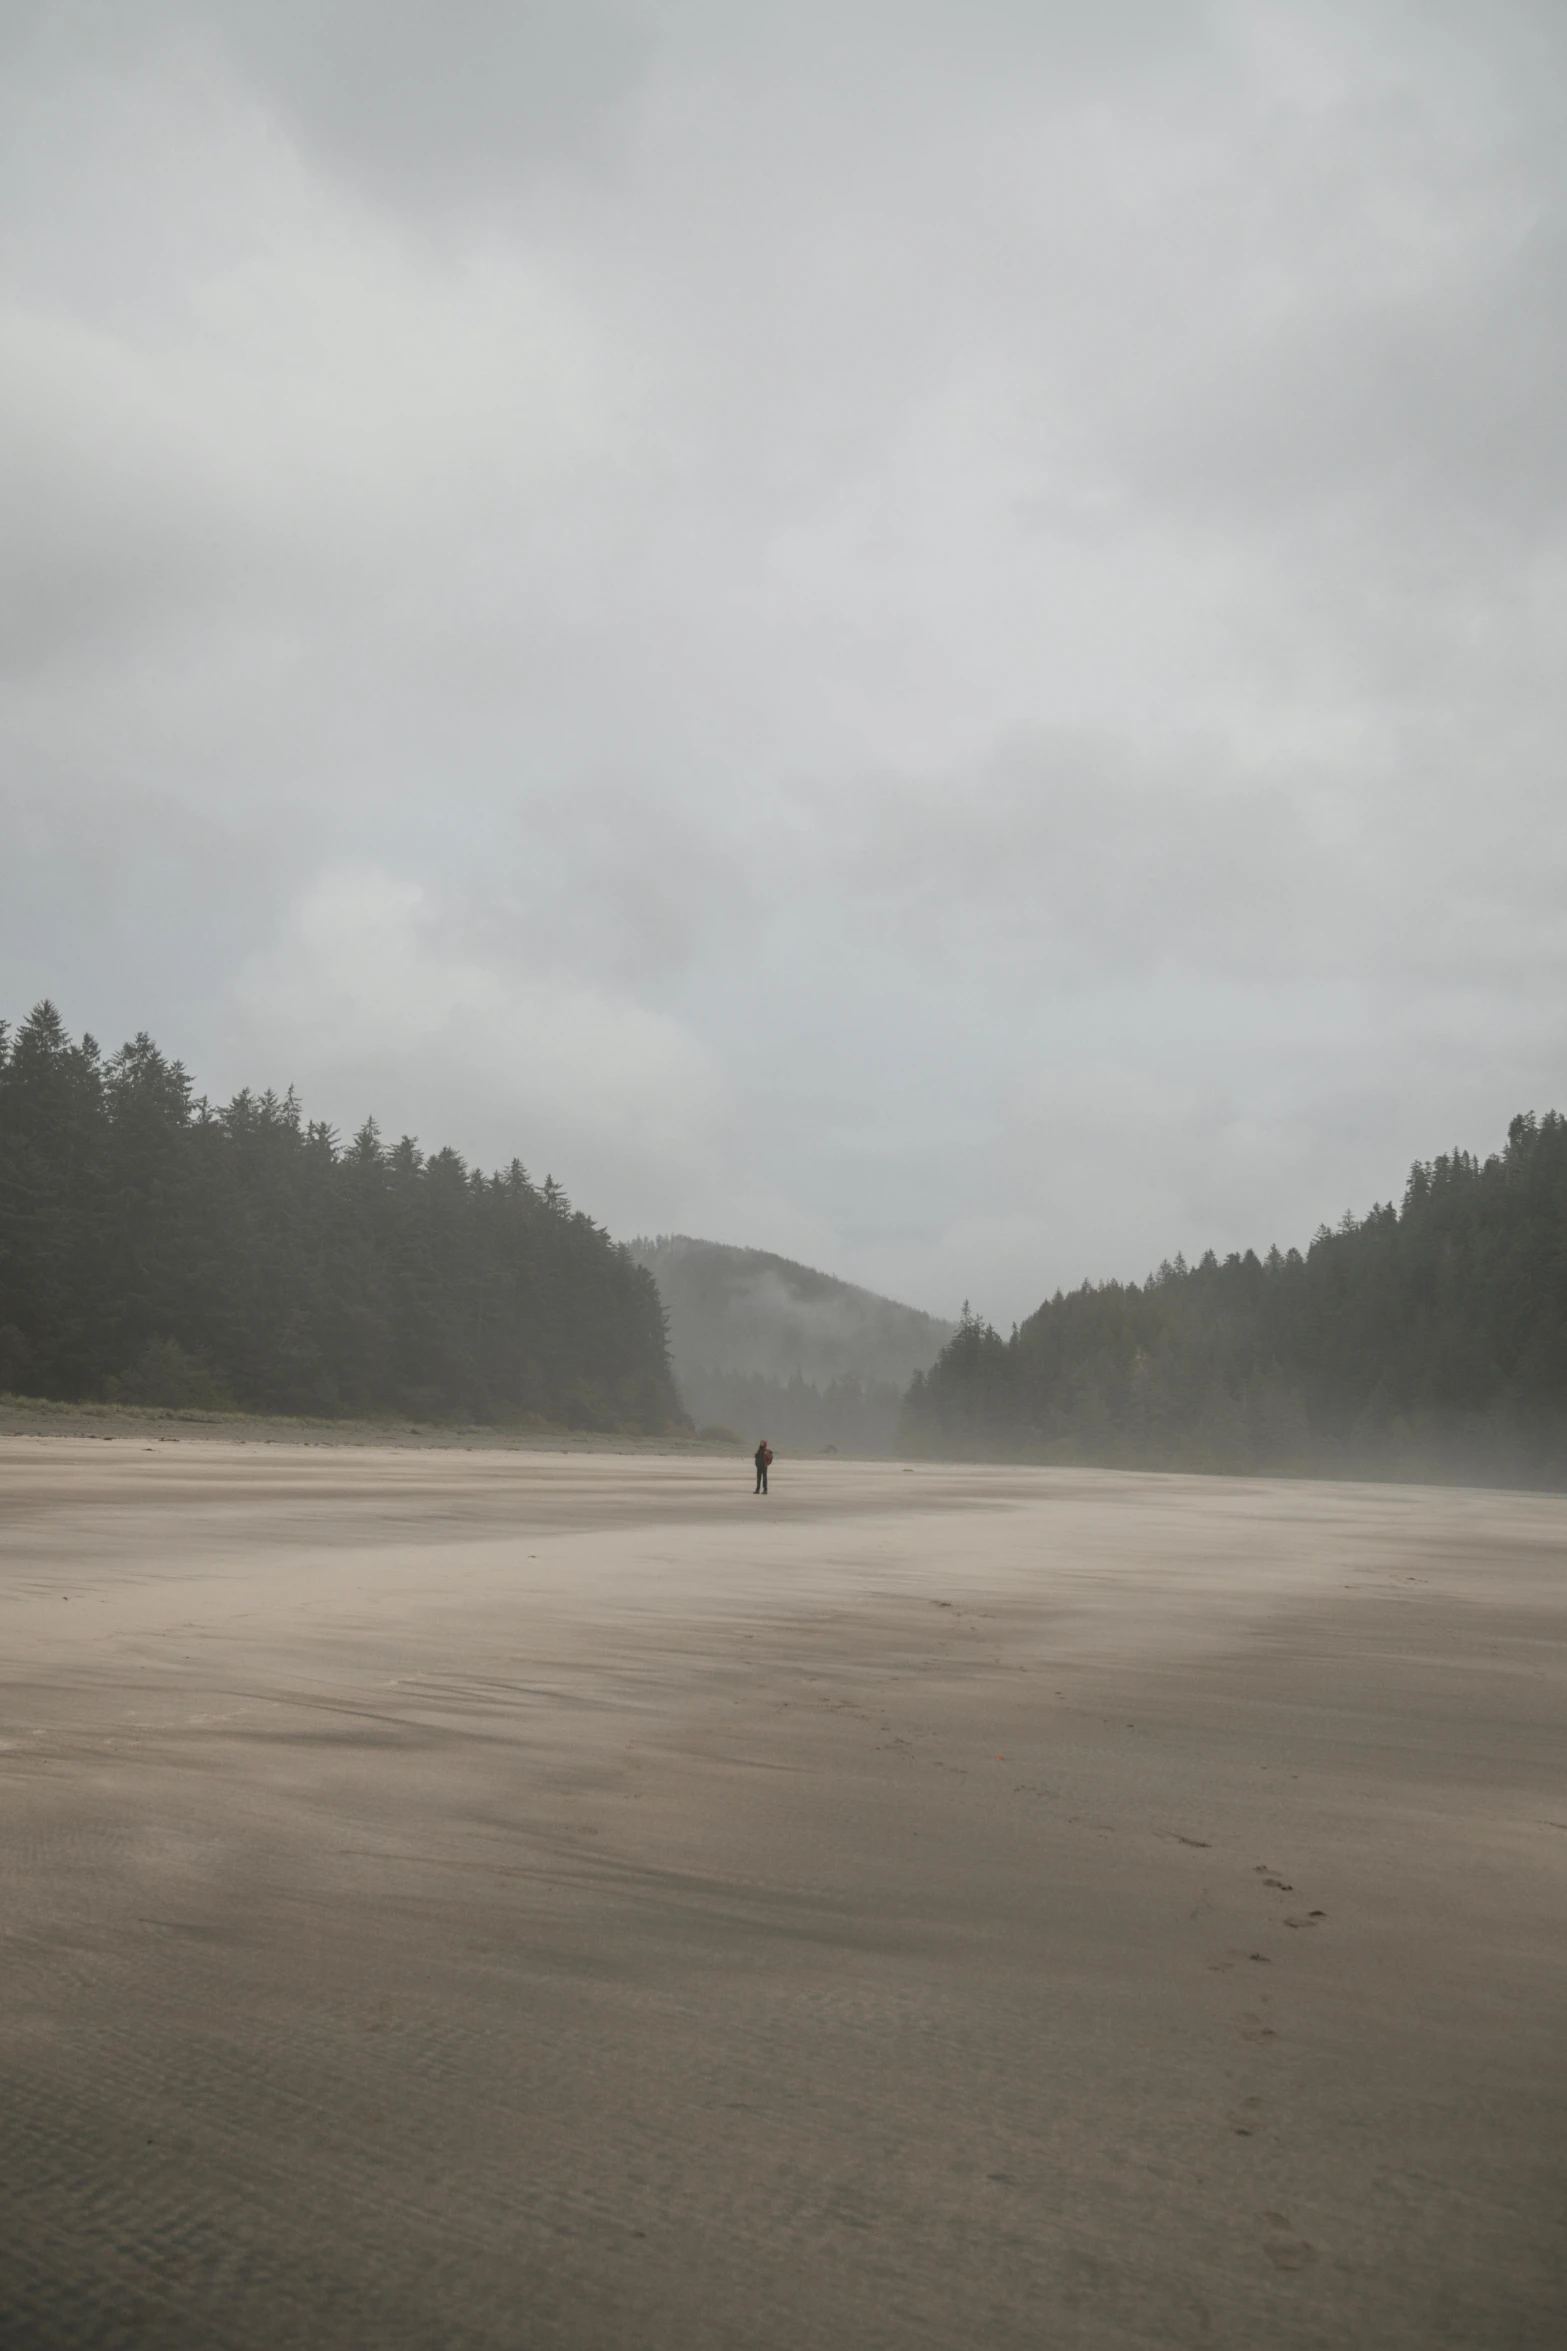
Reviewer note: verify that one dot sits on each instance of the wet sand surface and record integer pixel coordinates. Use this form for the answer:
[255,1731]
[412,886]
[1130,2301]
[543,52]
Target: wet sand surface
[508,1900]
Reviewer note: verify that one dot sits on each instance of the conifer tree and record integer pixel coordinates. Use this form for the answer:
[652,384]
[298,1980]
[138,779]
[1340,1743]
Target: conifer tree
[155,1248]
[1424,1339]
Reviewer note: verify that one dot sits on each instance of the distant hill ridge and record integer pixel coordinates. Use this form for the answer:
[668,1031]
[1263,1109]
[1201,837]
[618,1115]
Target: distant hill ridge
[760,1339]
[748,1310]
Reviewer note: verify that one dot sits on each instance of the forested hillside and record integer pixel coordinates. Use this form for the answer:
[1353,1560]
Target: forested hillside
[1424,1339]
[156,1249]
[769,1347]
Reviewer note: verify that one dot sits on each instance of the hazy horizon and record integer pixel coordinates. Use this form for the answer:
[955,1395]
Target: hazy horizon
[929,639]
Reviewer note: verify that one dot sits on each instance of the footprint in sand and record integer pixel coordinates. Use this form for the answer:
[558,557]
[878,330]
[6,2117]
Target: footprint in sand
[1290,2254]
[1284,2250]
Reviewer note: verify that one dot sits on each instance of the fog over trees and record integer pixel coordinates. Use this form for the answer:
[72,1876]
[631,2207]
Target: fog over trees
[765,1346]
[1424,1339]
[155,1248]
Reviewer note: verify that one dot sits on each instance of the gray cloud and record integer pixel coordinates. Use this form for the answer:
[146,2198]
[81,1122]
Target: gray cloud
[426,103]
[928,637]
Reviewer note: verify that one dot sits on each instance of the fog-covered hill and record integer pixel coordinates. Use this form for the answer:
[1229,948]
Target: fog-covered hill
[765,1346]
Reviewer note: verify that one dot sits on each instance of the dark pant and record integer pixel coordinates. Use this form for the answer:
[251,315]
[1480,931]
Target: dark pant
[761,1477]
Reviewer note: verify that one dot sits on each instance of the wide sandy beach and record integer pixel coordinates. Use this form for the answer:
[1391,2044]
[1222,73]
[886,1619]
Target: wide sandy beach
[507,1900]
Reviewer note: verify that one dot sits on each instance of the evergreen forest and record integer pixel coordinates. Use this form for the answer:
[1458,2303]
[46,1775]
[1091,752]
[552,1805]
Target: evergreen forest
[1427,1339]
[157,1249]
[843,1415]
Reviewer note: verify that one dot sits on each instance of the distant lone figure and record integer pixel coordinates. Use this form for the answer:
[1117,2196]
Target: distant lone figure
[764,1459]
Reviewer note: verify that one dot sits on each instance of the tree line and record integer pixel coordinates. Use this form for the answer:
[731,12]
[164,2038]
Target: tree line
[156,1248]
[845,1415]
[1423,1339]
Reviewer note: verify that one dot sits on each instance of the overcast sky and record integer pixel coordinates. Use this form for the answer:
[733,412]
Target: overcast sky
[928,635]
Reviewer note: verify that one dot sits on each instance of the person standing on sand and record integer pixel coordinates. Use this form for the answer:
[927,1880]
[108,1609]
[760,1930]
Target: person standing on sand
[764,1462]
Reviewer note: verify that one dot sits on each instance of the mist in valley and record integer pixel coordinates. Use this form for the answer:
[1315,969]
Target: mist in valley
[761,1346]
[932,638]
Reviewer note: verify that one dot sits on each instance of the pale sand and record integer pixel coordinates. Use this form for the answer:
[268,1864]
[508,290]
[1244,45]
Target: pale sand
[481,1900]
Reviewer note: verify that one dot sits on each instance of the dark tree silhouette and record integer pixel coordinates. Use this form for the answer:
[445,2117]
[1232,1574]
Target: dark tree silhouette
[1427,1339]
[157,1249]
